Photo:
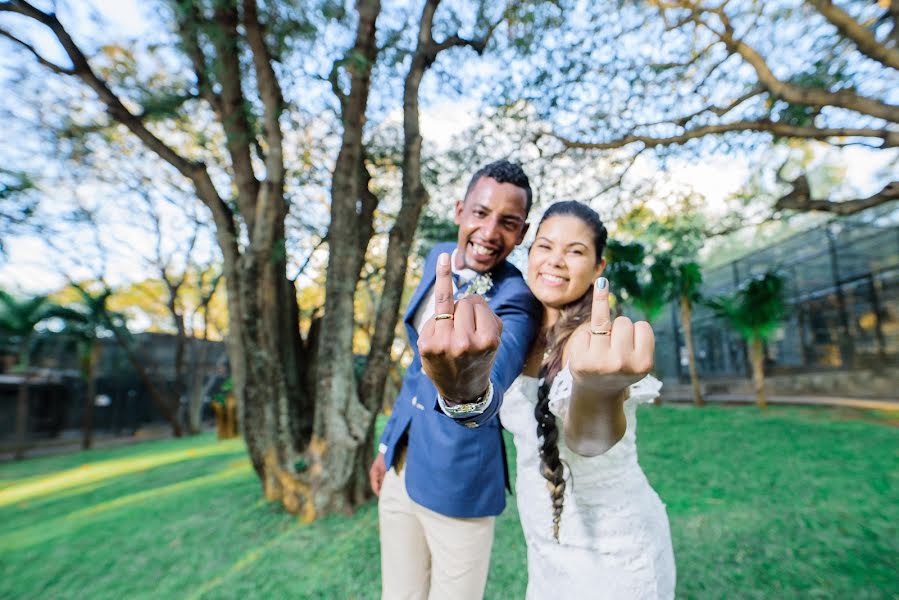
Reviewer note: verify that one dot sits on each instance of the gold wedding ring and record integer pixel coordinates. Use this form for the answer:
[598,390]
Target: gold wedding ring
[442,316]
[597,331]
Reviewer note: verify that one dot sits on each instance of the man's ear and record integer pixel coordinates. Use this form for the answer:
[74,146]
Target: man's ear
[524,230]
[457,213]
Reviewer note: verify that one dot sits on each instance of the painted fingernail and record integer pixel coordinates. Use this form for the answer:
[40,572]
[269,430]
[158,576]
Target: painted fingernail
[443,259]
[602,282]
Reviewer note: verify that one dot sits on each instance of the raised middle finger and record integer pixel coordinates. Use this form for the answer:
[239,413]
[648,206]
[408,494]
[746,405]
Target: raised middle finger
[623,337]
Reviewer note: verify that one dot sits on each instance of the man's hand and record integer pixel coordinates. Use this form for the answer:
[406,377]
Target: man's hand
[458,344]
[608,357]
[376,474]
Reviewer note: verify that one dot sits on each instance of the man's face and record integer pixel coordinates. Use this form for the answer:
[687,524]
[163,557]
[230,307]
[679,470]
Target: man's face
[491,223]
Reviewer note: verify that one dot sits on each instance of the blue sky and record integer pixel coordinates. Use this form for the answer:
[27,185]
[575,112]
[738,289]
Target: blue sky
[33,266]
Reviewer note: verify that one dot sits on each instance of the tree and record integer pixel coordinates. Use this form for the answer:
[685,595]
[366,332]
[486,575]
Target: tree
[89,319]
[205,280]
[18,319]
[342,448]
[17,203]
[685,288]
[673,77]
[755,311]
[226,96]
[184,302]
[643,282]
[86,323]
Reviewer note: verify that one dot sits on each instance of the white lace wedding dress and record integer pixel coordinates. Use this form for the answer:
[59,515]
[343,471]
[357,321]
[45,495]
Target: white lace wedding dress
[614,538]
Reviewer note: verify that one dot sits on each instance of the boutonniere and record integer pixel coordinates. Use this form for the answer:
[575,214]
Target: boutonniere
[480,285]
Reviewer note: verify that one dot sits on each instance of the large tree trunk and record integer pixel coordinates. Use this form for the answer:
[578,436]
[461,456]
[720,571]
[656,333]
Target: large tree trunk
[266,376]
[687,322]
[346,420]
[268,365]
[22,416]
[341,434]
[414,197]
[757,358]
[301,401]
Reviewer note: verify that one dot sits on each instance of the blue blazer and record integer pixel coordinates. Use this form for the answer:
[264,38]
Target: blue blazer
[457,467]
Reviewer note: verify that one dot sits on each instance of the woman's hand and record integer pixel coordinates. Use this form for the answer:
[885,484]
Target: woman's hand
[605,358]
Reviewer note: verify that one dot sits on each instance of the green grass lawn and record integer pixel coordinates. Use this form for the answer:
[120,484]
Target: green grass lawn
[785,504]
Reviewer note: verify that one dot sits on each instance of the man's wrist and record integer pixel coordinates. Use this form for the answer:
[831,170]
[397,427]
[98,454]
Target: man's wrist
[467,409]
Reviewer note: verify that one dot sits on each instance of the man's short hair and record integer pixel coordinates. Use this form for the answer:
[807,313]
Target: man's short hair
[504,171]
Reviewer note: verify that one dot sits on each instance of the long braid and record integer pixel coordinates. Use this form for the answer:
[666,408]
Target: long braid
[570,318]
[550,465]
[547,428]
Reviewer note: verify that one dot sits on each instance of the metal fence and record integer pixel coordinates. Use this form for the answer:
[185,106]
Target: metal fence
[843,295]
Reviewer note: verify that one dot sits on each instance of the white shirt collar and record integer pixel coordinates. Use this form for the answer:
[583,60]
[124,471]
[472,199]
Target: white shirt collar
[464,274]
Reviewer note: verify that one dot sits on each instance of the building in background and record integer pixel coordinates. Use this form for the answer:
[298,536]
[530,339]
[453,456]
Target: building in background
[841,336]
[122,405]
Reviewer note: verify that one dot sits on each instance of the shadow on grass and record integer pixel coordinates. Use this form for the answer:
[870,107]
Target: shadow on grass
[86,473]
[73,522]
[789,503]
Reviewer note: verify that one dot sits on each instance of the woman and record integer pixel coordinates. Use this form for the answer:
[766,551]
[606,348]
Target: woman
[594,526]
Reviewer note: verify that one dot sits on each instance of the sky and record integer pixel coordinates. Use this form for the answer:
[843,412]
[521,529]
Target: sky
[30,267]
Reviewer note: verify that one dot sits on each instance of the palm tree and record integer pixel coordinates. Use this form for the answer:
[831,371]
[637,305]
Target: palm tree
[92,319]
[646,288]
[685,290]
[18,319]
[755,312]
[86,323]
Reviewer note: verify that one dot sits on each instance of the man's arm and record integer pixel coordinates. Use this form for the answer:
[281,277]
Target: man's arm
[520,316]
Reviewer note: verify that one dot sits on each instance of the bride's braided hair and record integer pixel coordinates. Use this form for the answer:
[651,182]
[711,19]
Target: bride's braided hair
[570,318]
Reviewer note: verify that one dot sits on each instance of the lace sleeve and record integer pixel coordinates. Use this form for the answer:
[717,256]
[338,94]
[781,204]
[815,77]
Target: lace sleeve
[560,394]
[645,390]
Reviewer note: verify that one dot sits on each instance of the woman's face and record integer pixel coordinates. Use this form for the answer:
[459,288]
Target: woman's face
[562,261]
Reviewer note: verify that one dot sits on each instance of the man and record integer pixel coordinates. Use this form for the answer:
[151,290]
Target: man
[441,468]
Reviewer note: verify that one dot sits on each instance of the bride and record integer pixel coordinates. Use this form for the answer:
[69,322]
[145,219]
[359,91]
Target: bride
[594,526]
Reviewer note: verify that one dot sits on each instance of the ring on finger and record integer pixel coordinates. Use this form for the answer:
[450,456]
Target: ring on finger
[442,316]
[598,331]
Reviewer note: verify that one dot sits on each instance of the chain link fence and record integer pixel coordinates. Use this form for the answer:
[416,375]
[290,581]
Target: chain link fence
[843,295]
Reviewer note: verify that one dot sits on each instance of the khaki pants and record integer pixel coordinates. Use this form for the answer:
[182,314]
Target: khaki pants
[426,555]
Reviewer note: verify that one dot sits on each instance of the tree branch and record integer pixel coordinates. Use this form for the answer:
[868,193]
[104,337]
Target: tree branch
[798,94]
[321,242]
[740,225]
[114,106]
[50,65]
[235,116]
[718,111]
[188,18]
[890,138]
[800,199]
[851,29]
[455,40]
[270,92]
[226,229]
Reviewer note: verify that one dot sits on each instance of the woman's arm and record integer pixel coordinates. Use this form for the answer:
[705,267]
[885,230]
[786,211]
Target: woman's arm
[605,359]
[595,421]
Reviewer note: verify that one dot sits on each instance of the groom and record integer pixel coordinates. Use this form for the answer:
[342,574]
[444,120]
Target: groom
[440,470]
